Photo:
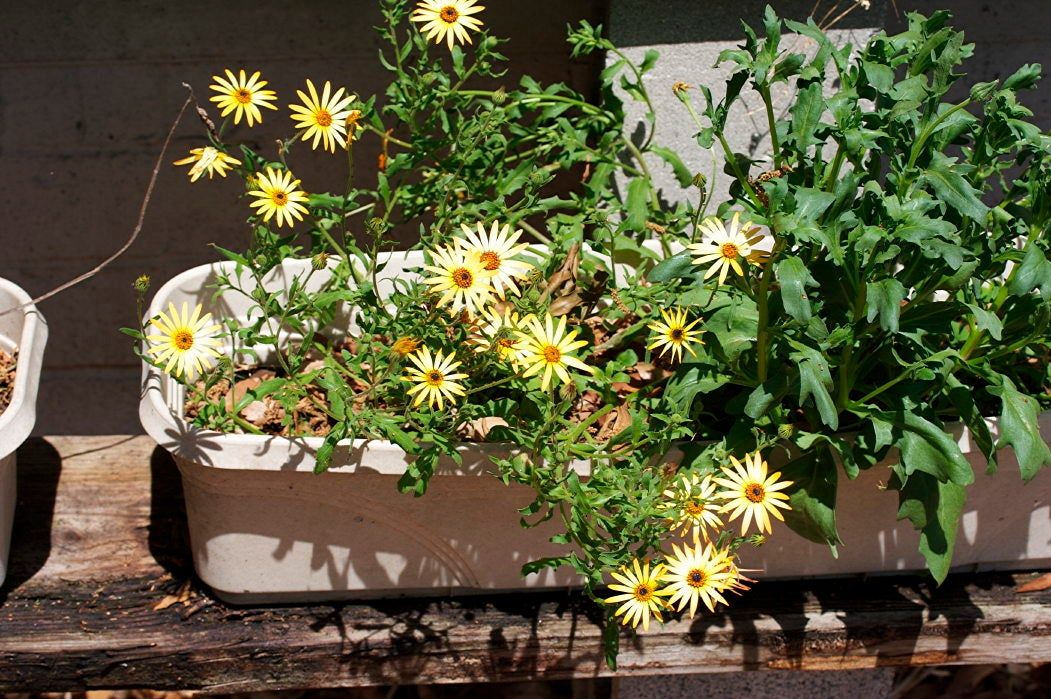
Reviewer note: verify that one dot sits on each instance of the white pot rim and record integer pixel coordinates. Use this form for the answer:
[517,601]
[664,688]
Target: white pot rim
[16,422]
[165,424]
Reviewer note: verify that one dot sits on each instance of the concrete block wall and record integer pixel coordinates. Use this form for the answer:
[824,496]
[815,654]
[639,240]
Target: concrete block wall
[88,90]
[87,93]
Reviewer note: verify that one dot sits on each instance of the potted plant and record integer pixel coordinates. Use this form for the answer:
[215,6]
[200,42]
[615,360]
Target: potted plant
[23,334]
[652,386]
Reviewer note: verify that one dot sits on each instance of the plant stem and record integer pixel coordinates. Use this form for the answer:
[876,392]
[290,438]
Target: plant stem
[905,373]
[391,139]
[732,161]
[764,91]
[762,338]
[833,171]
[493,384]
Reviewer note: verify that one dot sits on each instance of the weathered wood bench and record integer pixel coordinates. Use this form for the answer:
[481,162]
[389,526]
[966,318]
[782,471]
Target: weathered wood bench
[101,595]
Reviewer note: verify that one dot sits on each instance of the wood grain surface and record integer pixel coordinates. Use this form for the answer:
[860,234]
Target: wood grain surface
[101,594]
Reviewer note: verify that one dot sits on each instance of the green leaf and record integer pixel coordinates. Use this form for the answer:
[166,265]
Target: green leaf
[637,204]
[962,398]
[675,267]
[883,299]
[806,115]
[815,380]
[764,395]
[793,276]
[682,173]
[1020,427]
[987,321]
[934,508]
[926,447]
[1034,272]
[952,188]
[812,496]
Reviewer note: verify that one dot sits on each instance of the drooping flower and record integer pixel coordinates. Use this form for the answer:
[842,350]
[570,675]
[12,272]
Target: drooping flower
[448,19]
[692,507]
[184,342]
[242,96]
[724,247]
[697,574]
[641,594]
[461,279]
[404,346]
[496,250]
[751,492]
[278,196]
[208,160]
[435,377]
[674,334]
[546,347]
[499,332]
[324,118]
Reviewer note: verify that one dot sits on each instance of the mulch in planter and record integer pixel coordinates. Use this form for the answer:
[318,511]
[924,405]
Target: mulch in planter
[8,365]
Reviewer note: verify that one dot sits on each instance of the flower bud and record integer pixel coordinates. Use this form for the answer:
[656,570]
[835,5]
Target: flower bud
[499,96]
[376,226]
[142,283]
[786,430]
[679,88]
[538,178]
[319,261]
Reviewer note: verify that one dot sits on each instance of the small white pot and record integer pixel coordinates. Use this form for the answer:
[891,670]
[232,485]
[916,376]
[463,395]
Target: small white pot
[24,331]
[265,529]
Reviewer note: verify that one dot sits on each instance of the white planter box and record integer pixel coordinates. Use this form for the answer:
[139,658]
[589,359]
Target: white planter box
[264,528]
[26,332]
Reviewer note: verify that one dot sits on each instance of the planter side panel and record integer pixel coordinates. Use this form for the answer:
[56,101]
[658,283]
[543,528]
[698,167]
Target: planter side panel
[1006,525]
[270,537]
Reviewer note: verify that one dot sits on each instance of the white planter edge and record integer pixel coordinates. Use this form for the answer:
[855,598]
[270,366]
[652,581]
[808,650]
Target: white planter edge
[26,331]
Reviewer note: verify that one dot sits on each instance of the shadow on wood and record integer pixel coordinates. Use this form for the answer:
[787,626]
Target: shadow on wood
[39,468]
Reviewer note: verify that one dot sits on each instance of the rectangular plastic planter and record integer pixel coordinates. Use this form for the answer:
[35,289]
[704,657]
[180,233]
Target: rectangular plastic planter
[265,529]
[23,331]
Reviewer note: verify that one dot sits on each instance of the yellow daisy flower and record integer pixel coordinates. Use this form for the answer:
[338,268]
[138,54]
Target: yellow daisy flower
[641,594]
[697,574]
[723,246]
[208,160]
[185,341]
[242,96]
[325,117]
[435,378]
[751,492]
[496,249]
[498,332]
[461,279]
[278,196]
[674,334]
[448,19]
[692,506]
[546,347]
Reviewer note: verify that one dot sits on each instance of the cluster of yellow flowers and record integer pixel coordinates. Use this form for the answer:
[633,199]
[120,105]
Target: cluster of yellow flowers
[325,119]
[472,275]
[701,572]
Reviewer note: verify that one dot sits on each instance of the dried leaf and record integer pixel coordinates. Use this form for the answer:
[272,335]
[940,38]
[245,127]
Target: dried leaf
[182,596]
[615,423]
[1037,584]
[564,304]
[477,430]
[566,275]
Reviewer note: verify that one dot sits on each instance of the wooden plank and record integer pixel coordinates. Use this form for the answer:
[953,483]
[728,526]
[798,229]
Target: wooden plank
[100,544]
